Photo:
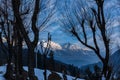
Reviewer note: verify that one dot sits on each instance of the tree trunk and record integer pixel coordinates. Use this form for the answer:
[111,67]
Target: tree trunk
[18,57]
[45,69]
[106,71]
[31,64]
[20,54]
[9,61]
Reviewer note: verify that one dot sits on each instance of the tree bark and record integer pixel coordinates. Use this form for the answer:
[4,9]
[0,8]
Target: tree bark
[31,64]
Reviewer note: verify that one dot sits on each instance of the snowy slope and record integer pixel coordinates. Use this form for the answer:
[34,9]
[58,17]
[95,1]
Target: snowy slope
[2,71]
[38,73]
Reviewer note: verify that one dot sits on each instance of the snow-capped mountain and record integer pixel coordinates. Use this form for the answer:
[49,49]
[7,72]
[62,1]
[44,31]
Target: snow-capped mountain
[71,53]
[67,48]
[71,46]
[76,49]
[53,45]
[74,54]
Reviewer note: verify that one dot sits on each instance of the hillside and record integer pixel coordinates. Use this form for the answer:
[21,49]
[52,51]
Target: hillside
[38,73]
[73,54]
[114,62]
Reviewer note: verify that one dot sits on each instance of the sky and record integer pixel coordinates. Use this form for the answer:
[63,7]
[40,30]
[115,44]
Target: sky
[60,36]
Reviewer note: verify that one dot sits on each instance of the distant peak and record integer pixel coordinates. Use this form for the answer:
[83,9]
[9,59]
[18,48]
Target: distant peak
[54,45]
[74,46]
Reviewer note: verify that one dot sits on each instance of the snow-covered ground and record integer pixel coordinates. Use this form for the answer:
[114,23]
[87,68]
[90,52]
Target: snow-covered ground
[2,72]
[38,73]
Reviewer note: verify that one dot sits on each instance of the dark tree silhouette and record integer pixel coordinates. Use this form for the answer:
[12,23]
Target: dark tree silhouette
[45,50]
[54,76]
[7,33]
[13,19]
[31,44]
[20,26]
[52,62]
[82,21]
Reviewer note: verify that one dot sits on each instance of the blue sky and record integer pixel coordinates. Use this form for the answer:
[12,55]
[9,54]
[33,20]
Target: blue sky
[61,36]
[58,34]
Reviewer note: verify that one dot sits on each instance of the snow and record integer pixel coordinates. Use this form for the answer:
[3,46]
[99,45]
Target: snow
[103,78]
[2,72]
[53,45]
[38,73]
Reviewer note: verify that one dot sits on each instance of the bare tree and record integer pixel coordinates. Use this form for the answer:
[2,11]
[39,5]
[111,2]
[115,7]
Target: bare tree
[20,26]
[82,21]
[6,32]
[45,50]
[14,14]
[31,44]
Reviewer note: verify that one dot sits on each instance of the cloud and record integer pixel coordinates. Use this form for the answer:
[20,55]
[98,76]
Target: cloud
[110,3]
